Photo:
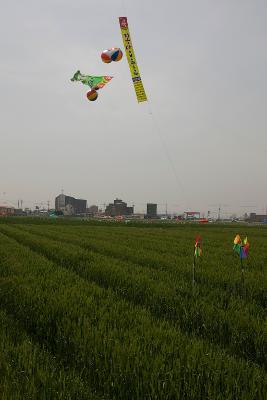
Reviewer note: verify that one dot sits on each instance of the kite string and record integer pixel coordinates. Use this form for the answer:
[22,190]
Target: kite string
[178,181]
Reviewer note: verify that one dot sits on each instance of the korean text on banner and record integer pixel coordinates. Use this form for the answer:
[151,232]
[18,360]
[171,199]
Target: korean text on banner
[138,85]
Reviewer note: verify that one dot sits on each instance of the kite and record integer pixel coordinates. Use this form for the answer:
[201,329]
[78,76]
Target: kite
[94,82]
[113,54]
[136,78]
[241,248]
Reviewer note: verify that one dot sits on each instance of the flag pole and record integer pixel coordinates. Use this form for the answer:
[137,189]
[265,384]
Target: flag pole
[242,247]
[194,267]
[242,271]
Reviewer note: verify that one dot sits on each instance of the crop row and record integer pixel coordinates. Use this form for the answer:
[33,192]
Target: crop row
[212,315]
[220,272]
[117,349]
[28,371]
[173,240]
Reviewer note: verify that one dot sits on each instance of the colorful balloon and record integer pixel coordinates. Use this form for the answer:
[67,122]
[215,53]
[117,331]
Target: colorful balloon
[116,54]
[106,57]
[92,95]
[113,54]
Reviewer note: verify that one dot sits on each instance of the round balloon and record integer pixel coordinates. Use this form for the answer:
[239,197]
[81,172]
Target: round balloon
[92,95]
[106,58]
[116,54]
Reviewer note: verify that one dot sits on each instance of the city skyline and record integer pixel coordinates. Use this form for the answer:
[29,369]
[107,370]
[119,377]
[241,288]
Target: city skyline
[225,210]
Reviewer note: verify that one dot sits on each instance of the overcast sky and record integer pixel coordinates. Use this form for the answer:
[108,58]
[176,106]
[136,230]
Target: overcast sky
[203,65]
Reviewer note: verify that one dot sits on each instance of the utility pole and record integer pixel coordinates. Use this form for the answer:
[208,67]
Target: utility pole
[104,206]
[219,208]
[48,204]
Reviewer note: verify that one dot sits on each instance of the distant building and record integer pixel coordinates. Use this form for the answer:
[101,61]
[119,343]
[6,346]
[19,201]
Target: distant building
[69,205]
[19,212]
[6,210]
[192,215]
[179,217]
[253,217]
[138,216]
[92,210]
[151,210]
[118,207]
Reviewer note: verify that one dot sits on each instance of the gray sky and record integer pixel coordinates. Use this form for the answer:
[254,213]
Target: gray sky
[203,65]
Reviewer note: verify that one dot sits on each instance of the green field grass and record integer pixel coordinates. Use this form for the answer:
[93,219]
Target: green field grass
[108,311]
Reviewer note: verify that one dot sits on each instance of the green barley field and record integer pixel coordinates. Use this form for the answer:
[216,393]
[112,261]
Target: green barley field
[108,311]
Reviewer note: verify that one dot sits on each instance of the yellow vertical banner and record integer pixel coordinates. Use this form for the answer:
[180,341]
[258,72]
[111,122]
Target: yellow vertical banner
[138,85]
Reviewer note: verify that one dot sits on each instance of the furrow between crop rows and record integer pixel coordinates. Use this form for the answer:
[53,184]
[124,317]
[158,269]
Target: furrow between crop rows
[117,348]
[194,315]
[211,274]
[29,371]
